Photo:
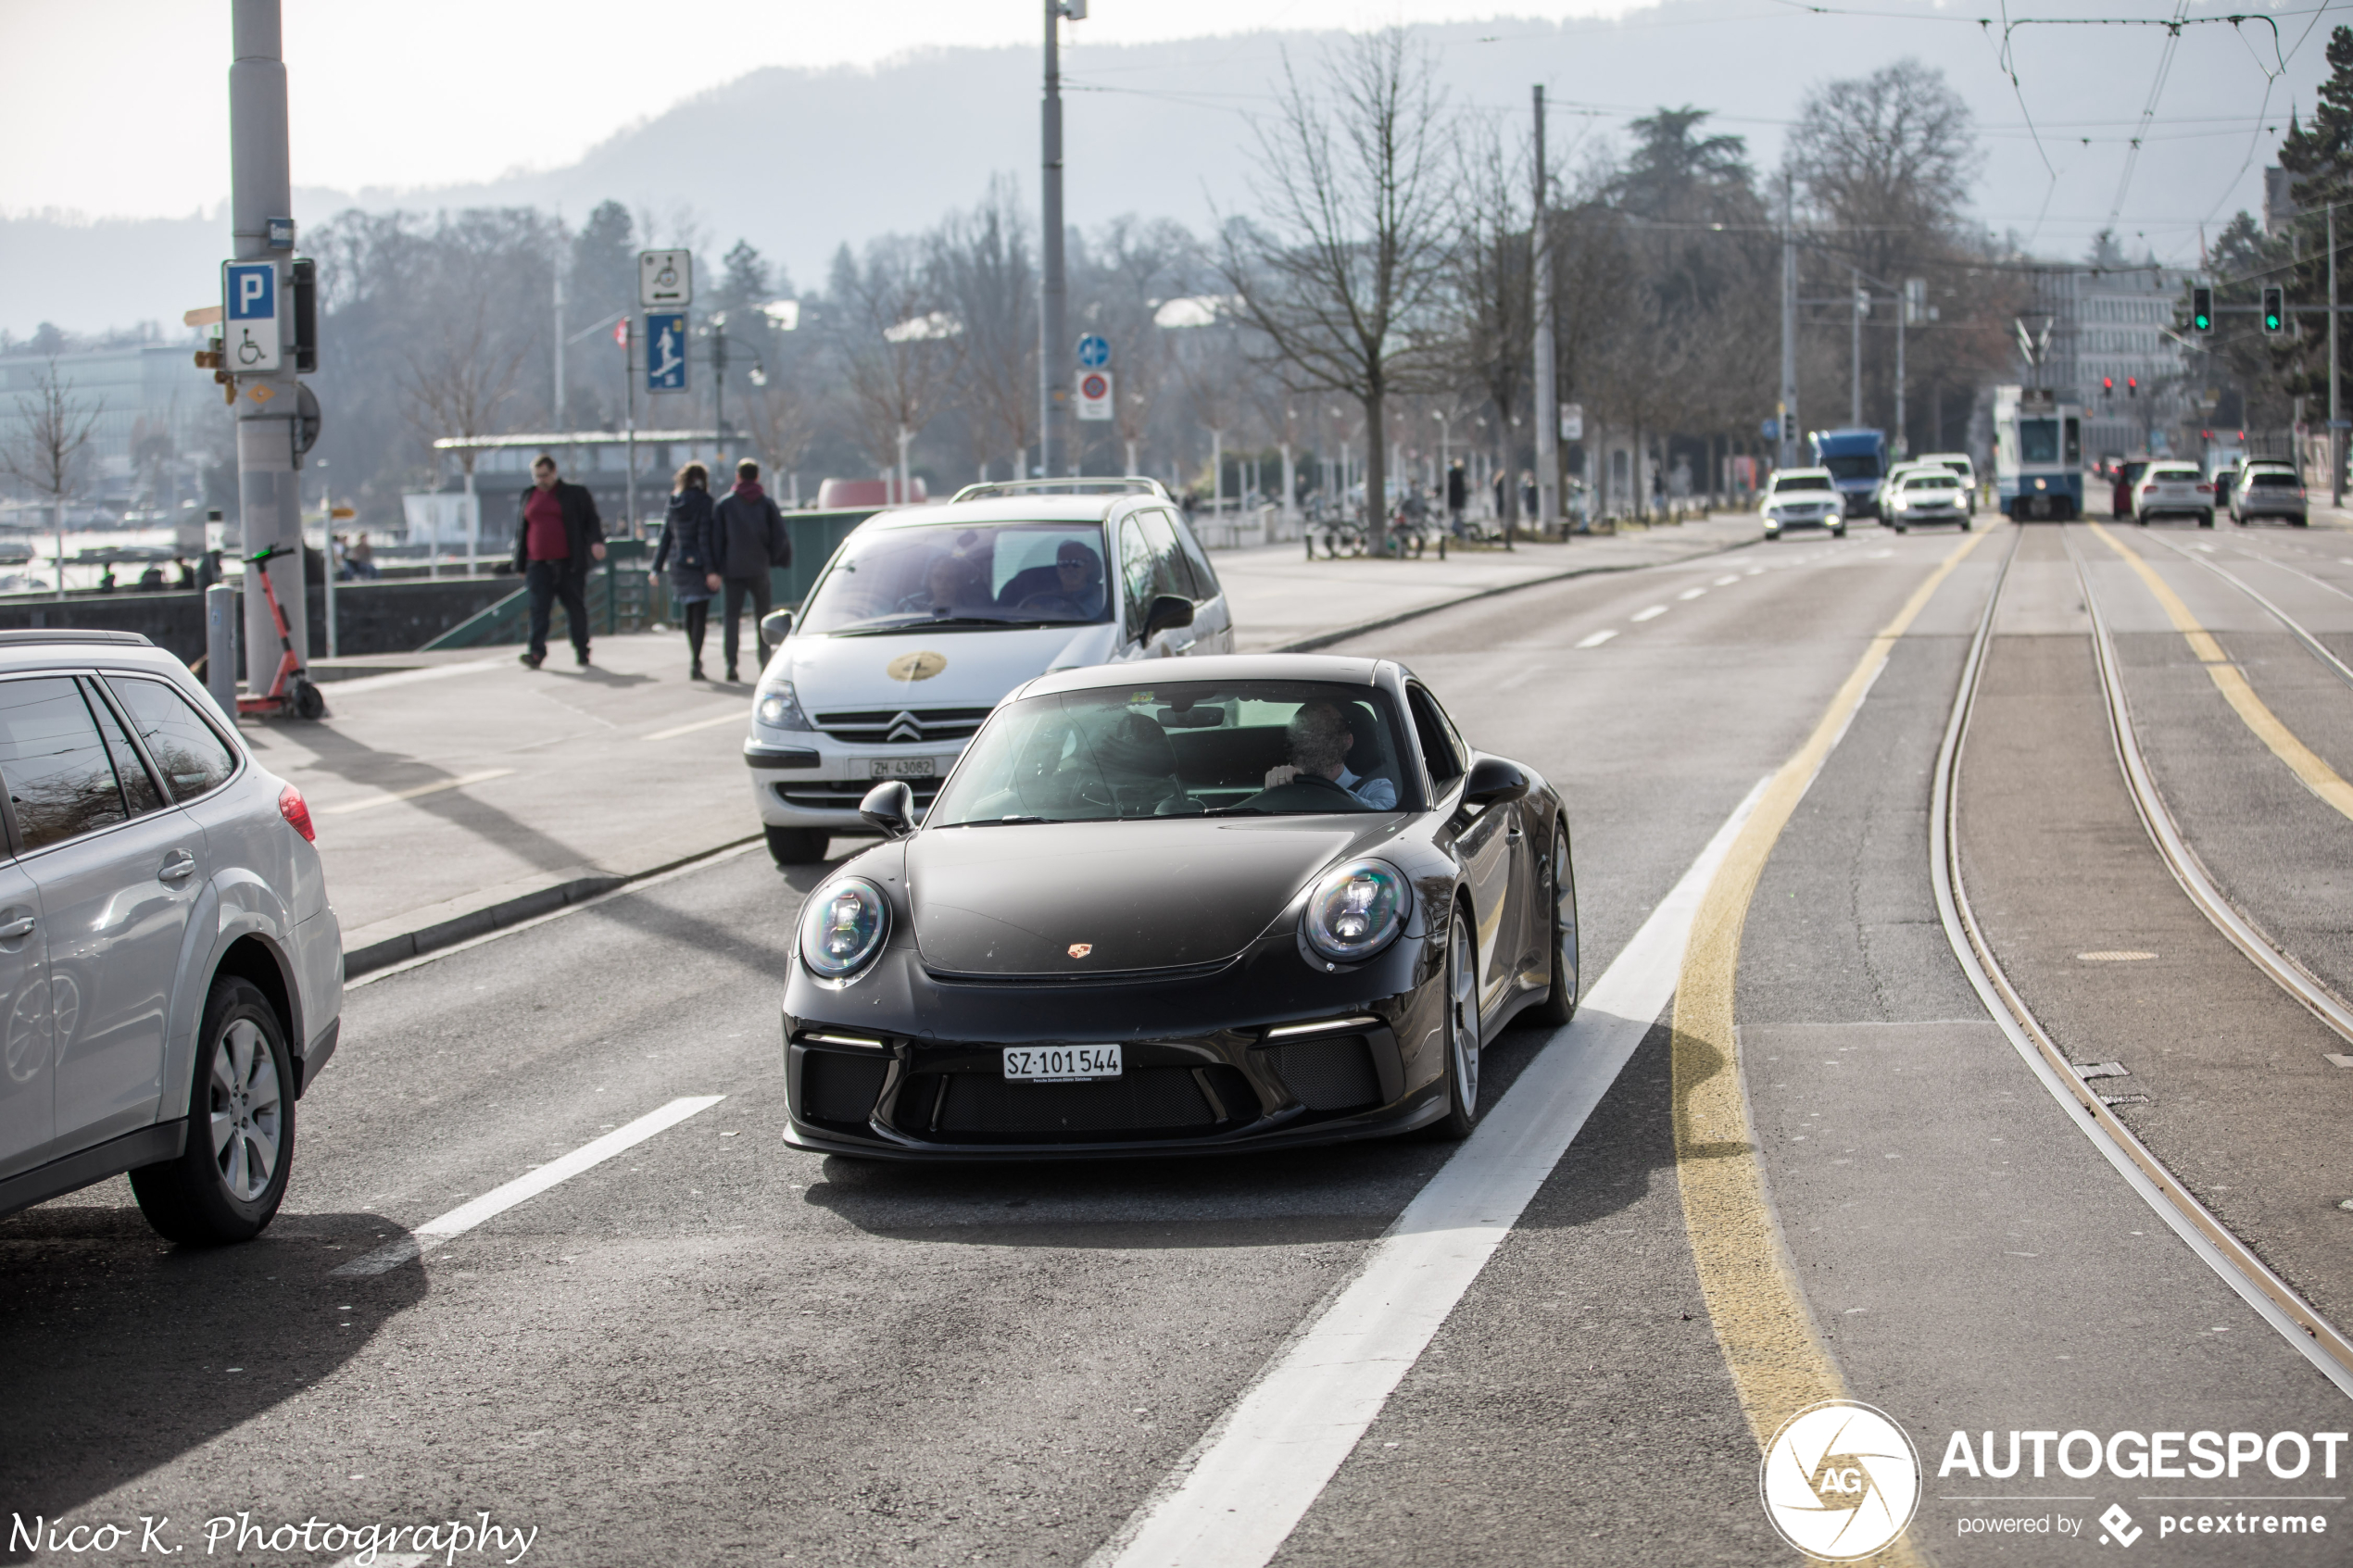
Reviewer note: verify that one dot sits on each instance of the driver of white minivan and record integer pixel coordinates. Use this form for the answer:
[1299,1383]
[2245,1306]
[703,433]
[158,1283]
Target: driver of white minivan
[1077,575]
[1320,740]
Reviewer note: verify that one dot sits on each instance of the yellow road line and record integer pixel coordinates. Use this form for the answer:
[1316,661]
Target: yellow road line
[2305,764]
[1754,1299]
[375,800]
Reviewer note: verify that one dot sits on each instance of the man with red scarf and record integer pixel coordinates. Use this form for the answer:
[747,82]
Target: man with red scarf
[748,538]
[558,538]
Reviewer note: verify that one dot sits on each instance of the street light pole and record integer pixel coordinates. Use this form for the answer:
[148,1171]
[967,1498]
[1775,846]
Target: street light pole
[261,189]
[1855,328]
[1053,379]
[2336,440]
[1548,461]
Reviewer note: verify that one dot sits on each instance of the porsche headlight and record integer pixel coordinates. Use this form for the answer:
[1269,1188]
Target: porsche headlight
[1356,910]
[780,709]
[842,927]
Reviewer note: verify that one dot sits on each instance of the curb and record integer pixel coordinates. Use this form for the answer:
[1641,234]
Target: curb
[409,945]
[1325,639]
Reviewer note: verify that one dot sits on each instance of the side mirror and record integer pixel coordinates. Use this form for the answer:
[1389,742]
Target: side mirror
[890,806]
[1492,782]
[1168,612]
[775,626]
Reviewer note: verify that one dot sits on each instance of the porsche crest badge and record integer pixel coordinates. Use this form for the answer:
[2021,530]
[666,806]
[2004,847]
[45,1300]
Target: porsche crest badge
[920,666]
[1080,949]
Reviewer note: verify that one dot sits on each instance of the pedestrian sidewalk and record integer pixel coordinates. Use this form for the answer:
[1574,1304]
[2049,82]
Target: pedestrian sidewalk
[456,792]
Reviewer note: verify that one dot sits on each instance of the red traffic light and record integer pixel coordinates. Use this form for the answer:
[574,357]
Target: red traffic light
[2108,385]
[2131,387]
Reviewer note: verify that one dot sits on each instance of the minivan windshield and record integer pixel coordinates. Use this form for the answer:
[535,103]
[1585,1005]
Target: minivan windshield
[1785,483]
[1226,748]
[1851,465]
[964,575]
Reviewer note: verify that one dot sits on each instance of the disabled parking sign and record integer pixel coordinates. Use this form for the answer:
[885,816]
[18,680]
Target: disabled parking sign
[249,317]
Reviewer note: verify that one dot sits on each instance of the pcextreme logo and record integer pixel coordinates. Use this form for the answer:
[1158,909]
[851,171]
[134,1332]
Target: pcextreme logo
[1840,1480]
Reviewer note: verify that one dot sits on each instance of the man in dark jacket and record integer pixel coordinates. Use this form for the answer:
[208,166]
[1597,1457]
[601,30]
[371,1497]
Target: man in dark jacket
[748,538]
[558,538]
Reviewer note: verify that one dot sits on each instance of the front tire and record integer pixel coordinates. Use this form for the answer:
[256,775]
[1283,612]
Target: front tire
[227,1184]
[1560,1002]
[796,847]
[1460,1082]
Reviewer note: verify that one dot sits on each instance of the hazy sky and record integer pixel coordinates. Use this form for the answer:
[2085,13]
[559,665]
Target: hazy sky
[119,108]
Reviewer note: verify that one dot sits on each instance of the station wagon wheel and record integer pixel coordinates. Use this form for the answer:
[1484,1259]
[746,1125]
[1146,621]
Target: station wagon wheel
[230,1178]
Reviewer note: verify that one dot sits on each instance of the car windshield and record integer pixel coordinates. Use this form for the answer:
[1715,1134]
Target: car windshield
[1174,749]
[975,575]
[1861,465]
[1788,482]
[1932,481]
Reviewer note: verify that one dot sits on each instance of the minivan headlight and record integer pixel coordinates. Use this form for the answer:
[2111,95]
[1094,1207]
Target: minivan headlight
[780,709]
[1356,910]
[842,927]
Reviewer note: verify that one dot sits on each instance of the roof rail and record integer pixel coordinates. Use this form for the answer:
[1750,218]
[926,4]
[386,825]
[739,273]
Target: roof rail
[1132,485]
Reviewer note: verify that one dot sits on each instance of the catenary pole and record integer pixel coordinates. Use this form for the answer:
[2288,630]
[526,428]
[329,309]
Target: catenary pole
[560,427]
[2336,436]
[1855,329]
[1787,431]
[261,188]
[1053,377]
[1548,461]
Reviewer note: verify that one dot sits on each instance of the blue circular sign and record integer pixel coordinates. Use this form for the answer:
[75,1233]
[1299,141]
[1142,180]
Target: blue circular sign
[1094,351]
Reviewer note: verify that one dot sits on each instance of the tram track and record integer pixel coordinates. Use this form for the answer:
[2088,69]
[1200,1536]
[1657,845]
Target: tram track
[2272,1299]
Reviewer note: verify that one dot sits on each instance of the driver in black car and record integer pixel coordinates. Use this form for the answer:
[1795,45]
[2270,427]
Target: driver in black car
[1076,578]
[1319,741]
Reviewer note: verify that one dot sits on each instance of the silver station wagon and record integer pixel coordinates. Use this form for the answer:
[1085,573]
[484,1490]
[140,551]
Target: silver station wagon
[171,971]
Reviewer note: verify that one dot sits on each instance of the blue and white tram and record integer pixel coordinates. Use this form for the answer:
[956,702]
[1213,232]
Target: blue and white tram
[2038,453]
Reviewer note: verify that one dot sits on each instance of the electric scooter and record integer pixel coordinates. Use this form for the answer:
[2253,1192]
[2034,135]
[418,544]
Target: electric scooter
[292,693]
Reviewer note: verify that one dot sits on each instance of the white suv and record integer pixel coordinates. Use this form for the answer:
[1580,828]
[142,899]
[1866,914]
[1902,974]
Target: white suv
[171,971]
[926,617]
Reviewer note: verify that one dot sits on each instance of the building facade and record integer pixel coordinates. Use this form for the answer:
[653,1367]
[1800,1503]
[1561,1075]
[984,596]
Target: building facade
[2111,342]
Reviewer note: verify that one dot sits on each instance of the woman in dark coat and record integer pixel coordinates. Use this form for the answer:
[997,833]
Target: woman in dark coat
[686,551]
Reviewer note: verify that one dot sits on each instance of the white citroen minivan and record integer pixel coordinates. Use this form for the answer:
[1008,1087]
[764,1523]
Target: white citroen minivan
[926,616]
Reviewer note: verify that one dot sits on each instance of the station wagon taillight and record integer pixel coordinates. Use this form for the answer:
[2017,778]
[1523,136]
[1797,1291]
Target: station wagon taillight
[297,811]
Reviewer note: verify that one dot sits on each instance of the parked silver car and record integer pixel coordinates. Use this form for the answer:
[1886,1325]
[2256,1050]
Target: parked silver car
[171,971]
[2269,489]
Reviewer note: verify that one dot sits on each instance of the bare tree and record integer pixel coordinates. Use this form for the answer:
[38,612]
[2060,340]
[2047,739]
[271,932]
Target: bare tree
[897,348]
[1120,282]
[1492,293]
[1346,273]
[455,381]
[45,453]
[989,281]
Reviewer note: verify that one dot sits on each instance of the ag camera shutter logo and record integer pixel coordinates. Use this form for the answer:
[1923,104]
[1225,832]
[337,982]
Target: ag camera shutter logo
[1840,1480]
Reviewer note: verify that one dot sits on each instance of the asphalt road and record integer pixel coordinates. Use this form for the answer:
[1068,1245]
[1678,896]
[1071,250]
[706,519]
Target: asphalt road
[713,1350]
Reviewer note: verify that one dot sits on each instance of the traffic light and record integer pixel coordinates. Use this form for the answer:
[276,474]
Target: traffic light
[2131,387]
[2201,310]
[2108,387]
[2274,310]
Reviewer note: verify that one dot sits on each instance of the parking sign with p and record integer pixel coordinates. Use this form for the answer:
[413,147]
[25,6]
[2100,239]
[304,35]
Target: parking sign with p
[249,311]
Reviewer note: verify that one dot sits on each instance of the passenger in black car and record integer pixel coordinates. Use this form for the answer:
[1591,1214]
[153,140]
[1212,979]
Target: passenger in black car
[1075,579]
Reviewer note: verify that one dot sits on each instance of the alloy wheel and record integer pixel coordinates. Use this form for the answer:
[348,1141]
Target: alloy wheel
[1462,1018]
[248,1116]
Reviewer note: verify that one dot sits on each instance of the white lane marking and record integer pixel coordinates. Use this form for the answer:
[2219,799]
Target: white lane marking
[1597,639]
[738,716]
[1880,555]
[530,1184]
[1646,614]
[399,795]
[1534,669]
[1691,593]
[1728,578]
[1234,1500]
[410,677]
